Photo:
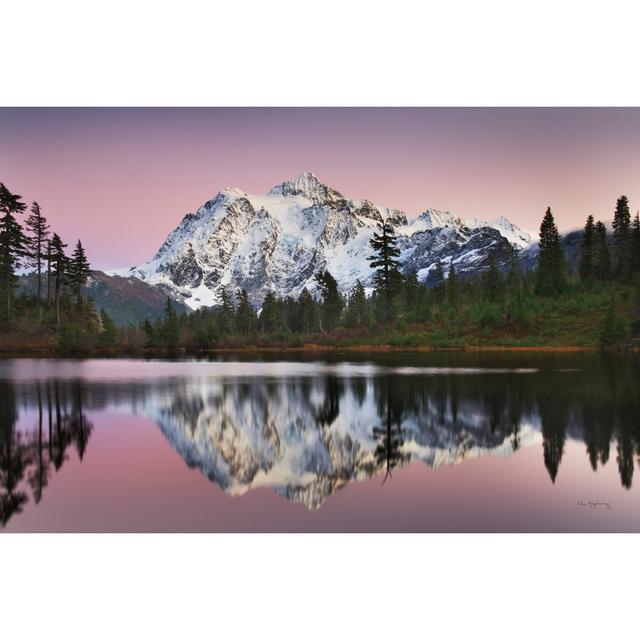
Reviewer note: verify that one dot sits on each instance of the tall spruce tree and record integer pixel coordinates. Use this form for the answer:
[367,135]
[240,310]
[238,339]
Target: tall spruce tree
[635,245]
[452,286]
[438,281]
[307,312]
[586,267]
[622,239]
[227,310]
[79,271]
[493,286]
[601,256]
[550,270]
[270,317]
[245,313]
[357,306]
[13,247]
[60,271]
[332,303]
[171,327]
[385,261]
[38,231]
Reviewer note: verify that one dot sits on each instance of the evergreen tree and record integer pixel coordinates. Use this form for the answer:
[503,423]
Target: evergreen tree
[493,287]
[245,314]
[307,312]
[270,319]
[227,310]
[171,327]
[332,303]
[357,307]
[79,271]
[622,239]
[384,261]
[411,288]
[109,334]
[635,245]
[586,268]
[438,282]
[513,281]
[452,286]
[550,270]
[601,258]
[13,247]
[38,230]
[60,270]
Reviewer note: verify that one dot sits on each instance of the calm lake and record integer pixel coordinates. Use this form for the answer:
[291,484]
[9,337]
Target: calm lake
[435,442]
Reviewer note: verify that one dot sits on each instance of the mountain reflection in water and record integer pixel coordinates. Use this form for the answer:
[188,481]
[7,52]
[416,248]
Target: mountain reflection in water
[307,435]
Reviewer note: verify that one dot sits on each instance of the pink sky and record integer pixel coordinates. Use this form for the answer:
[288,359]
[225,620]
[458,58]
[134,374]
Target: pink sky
[121,179]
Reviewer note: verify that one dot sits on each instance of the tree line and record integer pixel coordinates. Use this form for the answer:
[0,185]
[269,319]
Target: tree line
[503,296]
[29,242]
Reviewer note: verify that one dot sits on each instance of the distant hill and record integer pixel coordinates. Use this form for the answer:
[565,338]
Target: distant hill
[127,300]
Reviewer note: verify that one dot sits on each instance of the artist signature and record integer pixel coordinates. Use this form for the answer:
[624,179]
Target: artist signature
[594,504]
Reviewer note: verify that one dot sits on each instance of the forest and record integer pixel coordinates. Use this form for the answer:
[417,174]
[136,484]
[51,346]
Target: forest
[590,302]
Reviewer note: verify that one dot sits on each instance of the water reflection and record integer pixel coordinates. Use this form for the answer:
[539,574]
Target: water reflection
[307,436]
[32,453]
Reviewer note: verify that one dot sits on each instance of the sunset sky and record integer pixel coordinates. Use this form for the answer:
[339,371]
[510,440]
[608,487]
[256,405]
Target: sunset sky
[121,179]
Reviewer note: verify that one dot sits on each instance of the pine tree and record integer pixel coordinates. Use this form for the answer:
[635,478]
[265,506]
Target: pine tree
[79,271]
[227,310]
[307,312]
[357,307]
[38,230]
[270,319]
[332,303]
[601,257]
[438,282]
[60,270]
[13,247]
[171,327]
[635,245]
[613,328]
[411,288]
[384,261]
[109,333]
[551,269]
[452,286]
[245,314]
[493,287]
[621,239]
[586,268]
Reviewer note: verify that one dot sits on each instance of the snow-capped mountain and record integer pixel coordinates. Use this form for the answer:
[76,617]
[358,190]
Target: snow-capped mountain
[279,241]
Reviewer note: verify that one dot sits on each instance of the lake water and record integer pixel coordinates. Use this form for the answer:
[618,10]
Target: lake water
[434,442]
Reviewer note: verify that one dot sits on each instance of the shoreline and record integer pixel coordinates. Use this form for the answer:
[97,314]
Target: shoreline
[309,348]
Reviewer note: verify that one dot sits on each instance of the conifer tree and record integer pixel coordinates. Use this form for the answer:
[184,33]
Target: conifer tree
[13,247]
[227,310]
[79,271]
[438,281]
[60,270]
[357,306]
[331,307]
[601,257]
[269,315]
[385,261]
[550,270]
[452,286]
[245,314]
[586,267]
[493,287]
[307,312]
[171,327]
[635,245]
[621,239]
[38,230]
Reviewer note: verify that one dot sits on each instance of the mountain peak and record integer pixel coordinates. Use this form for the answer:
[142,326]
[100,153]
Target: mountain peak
[309,186]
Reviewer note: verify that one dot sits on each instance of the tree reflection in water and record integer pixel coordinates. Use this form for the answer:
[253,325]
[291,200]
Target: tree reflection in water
[307,437]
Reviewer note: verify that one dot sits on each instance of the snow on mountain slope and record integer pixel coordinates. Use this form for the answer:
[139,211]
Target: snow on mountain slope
[279,241]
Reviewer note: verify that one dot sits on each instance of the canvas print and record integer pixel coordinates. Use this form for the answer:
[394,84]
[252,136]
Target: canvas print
[319,320]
